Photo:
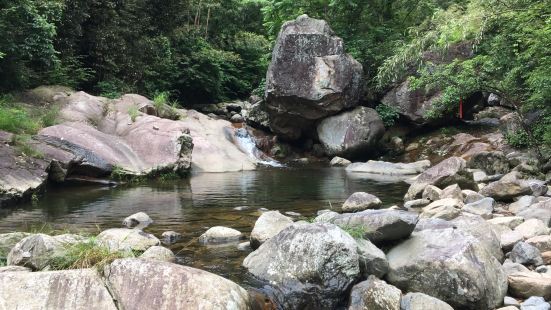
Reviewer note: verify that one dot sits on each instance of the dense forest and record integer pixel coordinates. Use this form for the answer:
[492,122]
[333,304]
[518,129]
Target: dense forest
[204,51]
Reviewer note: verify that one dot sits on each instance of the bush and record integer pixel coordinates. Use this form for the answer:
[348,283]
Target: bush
[388,114]
[17,120]
[517,139]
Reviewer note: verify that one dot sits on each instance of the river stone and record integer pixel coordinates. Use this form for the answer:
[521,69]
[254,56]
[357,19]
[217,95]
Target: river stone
[125,239]
[531,228]
[78,289]
[351,133]
[159,253]
[508,187]
[220,234]
[490,162]
[431,193]
[374,294]
[509,221]
[150,284]
[509,267]
[530,283]
[450,265]
[446,209]
[380,225]
[339,162]
[510,301]
[138,220]
[372,259]
[522,203]
[449,171]
[483,207]
[387,168]
[326,217]
[36,251]
[526,254]
[360,201]
[452,191]
[509,239]
[540,211]
[268,225]
[171,237]
[470,196]
[9,240]
[417,203]
[542,242]
[308,266]
[420,301]
[535,303]
[309,78]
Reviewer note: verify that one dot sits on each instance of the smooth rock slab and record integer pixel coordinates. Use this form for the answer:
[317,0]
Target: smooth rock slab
[380,225]
[308,266]
[79,289]
[420,301]
[268,225]
[374,294]
[148,284]
[450,265]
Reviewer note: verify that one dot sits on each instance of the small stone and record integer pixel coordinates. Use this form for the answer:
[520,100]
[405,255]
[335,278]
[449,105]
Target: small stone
[535,303]
[220,234]
[244,246]
[509,239]
[483,207]
[170,237]
[509,221]
[431,193]
[339,162]
[417,203]
[155,127]
[531,228]
[360,201]
[510,301]
[452,191]
[522,203]
[529,283]
[543,242]
[546,257]
[470,196]
[374,294]
[159,253]
[526,254]
[138,221]
[268,225]
[446,209]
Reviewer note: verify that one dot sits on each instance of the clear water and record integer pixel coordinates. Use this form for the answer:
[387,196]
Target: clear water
[192,206]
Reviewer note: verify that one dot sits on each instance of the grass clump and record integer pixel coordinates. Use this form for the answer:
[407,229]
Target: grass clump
[165,108]
[133,113]
[86,254]
[356,231]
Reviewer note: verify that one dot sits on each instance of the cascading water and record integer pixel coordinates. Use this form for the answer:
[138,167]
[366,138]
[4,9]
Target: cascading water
[245,142]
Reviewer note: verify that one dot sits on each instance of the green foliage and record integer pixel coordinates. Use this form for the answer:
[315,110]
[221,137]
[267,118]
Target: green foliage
[356,231]
[133,113]
[388,114]
[518,139]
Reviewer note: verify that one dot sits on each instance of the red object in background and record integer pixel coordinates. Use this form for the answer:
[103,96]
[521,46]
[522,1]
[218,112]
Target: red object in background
[460,108]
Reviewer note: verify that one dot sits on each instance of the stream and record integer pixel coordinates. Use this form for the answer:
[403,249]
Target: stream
[191,206]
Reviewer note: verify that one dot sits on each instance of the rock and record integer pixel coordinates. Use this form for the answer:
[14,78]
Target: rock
[529,283]
[509,221]
[372,259]
[540,211]
[535,303]
[509,267]
[351,133]
[339,162]
[526,254]
[310,77]
[483,207]
[450,265]
[36,251]
[138,221]
[509,239]
[171,237]
[522,203]
[417,203]
[159,253]
[452,191]
[470,196]
[510,301]
[268,225]
[386,168]
[258,117]
[448,172]
[244,246]
[77,289]
[480,176]
[546,257]
[9,240]
[237,118]
[432,193]
[543,269]
[446,209]
[146,284]
[430,223]
[420,301]
[220,234]
[374,294]
[360,201]
[124,239]
[532,228]
[508,187]
[14,269]
[542,242]
[310,265]
[482,231]
[380,225]
[490,162]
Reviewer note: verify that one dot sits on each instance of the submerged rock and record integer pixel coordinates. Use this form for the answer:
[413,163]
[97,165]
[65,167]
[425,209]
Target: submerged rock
[310,77]
[308,266]
[351,133]
[450,265]
[268,225]
[374,294]
[149,284]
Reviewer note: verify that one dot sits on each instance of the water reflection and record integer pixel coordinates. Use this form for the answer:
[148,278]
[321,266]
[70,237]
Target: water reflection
[191,206]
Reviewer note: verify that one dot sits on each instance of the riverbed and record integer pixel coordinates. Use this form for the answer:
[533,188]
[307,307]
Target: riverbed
[193,205]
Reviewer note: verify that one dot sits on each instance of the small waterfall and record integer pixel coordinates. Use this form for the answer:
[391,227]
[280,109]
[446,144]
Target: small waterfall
[245,142]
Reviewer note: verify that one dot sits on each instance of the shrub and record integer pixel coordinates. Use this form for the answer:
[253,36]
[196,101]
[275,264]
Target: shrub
[17,120]
[388,114]
[517,139]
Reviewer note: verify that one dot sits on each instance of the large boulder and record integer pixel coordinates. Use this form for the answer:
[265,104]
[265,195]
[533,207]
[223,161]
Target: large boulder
[78,289]
[268,225]
[374,294]
[351,133]
[308,266]
[149,284]
[451,265]
[449,171]
[124,239]
[413,105]
[379,226]
[310,77]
